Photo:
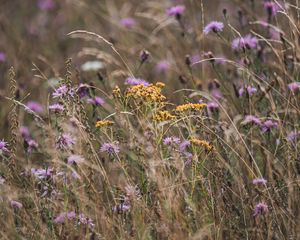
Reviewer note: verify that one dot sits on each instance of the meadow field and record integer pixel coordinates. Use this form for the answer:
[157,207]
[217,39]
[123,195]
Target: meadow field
[150,119]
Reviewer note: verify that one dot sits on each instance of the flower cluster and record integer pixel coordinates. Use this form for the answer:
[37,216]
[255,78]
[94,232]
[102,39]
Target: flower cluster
[162,116]
[190,106]
[104,123]
[208,146]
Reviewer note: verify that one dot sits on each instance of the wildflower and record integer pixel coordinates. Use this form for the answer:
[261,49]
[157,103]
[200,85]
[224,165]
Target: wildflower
[144,55]
[110,148]
[3,147]
[162,116]
[42,173]
[15,204]
[46,4]
[271,7]
[268,125]
[35,106]
[213,26]
[162,66]
[247,42]
[250,90]
[75,159]
[116,92]
[294,86]
[128,22]
[184,145]
[258,181]
[61,91]
[57,108]
[104,123]
[216,93]
[260,209]
[176,11]
[31,145]
[83,90]
[293,135]
[208,146]
[96,101]
[24,131]
[136,81]
[65,140]
[150,93]
[171,140]
[2,57]
[71,215]
[85,220]
[60,218]
[251,119]
[190,106]
[123,207]
[212,105]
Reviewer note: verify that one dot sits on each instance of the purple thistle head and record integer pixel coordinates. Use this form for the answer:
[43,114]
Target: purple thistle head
[84,220]
[259,181]
[213,26]
[60,218]
[46,4]
[176,11]
[83,90]
[162,66]
[65,140]
[3,147]
[75,159]
[247,42]
[57,108]
[294,86]
[212,105]
[61,91]
[260,209]
[271,7]
[216,93]
[184,145]
[16,204]
[250,90]
[2,57]
[293,135]
[32,145]
[128,22]
[168,141]
[71,215]
[24,131]
[96,101]
[268,125]
[136,81]
[110,148]
[121,208]
[35,106]
[251,119]
[42,173]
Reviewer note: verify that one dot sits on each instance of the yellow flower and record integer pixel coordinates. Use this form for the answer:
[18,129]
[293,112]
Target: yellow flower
[150,93]
[208,146]
[163,116]
[190,106]
[104,123]
[116,92]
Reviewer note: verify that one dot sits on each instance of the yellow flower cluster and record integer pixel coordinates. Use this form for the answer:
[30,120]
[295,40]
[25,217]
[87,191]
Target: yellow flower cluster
[163,116]
[150,93]
[104,123]
[190,106]
[116,92]
[208,146]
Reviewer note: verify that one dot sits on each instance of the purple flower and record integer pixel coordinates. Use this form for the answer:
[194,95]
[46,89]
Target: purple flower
[293,135]
[65,141]
[3,147]
[24,131]
[176,11]
[57,108]
[136,81]
[15,204]
[184,145]
[123,207]
[83,90]
[128,22]
[85,220]
[162,66]
[213,26]
[268,125]
[251,119]
[75,159]
[212,105]
[294,86]
[35,106]
[71,215]
[171,140]
[61,91]
[110,148]
[260,209]
[216,93]
[60,218]
[271,7]
[96,101]
[31,145]
[247,42]
[2,57]
[42,173]
[250,90]
[46,4]
[258,181]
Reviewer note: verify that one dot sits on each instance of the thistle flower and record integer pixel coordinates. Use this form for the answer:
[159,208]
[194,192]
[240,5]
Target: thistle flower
[71,215]
[84,220]
[212,105]
[35,106]
[96,101]
[2,57]
[16,204]
[250,90]
[168,141]
[162,66]
[57,108]
[184,145]
[75,159]
[123,207]
[259,181]
[136,81]
[260,209]
[3,147]
[293,135]
[46,4]
[65,140]
[83,90]
[32,145]
[176,11]
[61,91]
[294,86]
[251,119]
[60,218]
[110,148]
[268,125]
[128,22]
[247,42]
[271,7]
[213,26]
[41,173]
[24,131]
